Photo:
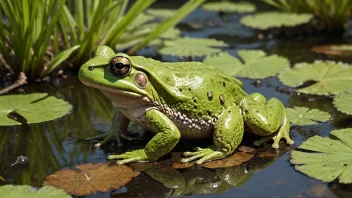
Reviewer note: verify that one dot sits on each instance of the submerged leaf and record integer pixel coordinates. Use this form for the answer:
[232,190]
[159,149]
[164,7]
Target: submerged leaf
[256,64]
[24,191]
[304,116]
[191,47]
[90,178]
[334,49]
[327,77]
[226,6]
[343,103]
[266,20]
[2,179]
[35,107]
[331,159]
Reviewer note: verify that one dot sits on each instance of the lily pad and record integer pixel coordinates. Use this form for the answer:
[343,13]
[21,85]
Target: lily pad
[304,116]
[255,65]
[91,178]
[24,191]
[235,159]
[36,107]
[324,77]
[160,13]
[326,158]
[226,6]
[343,103]
[267,20]
[191,47]
[342,50]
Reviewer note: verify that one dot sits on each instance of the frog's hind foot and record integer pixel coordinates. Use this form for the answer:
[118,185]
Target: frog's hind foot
[203,155]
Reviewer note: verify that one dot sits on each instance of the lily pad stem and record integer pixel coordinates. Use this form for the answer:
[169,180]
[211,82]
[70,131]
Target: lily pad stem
[21,80]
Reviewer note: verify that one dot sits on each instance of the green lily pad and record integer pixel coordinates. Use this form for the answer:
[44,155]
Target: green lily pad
[191,47]
[256,64]
[325,77]
[24,191]
[326,158]
[343,103]
[266,20]
[36,107]
[160,13]
[226,6]
[304,116]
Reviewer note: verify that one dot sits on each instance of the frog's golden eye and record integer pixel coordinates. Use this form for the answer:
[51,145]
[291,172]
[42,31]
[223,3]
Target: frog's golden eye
[120,66]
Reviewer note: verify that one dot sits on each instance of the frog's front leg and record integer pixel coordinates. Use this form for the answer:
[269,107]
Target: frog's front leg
[167,136]
[266,118]
[118,129]
[228,133]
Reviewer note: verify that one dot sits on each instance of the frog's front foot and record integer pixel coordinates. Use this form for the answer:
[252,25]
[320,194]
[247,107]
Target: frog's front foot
[203,155]
[132,156]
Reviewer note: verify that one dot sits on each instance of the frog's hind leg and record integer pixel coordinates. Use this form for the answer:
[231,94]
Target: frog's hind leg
[266,118]
[228,133]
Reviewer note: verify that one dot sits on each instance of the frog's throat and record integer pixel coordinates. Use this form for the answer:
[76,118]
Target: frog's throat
[113,90]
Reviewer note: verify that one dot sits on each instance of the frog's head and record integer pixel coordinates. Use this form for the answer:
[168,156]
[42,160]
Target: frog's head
[114,74]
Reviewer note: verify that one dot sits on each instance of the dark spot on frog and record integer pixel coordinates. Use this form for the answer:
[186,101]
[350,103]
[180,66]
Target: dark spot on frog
[209,112]
[210,95]
[195,100]
[195,107]
[222,99]
[224,84]
[180,89]
[189,89]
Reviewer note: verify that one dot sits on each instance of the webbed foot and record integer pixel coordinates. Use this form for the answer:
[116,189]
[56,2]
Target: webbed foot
[132,156]
[203,155]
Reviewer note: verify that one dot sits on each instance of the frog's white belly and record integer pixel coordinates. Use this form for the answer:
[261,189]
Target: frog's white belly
[135,108]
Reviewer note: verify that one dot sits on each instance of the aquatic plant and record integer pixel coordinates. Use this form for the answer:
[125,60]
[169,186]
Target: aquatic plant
[333,15]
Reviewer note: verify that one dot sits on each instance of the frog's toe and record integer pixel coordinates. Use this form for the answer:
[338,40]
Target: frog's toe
[128,157]
[203,155]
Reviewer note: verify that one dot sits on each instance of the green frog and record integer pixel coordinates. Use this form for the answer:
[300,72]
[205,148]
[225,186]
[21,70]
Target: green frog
[180,99]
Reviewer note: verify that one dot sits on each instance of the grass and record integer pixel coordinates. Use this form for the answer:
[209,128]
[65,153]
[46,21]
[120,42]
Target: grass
[333,14]
[35,42]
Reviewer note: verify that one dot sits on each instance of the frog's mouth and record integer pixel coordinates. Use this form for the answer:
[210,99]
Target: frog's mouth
[113,90]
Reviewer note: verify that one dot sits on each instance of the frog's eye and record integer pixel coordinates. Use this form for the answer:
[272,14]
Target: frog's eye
[120,66]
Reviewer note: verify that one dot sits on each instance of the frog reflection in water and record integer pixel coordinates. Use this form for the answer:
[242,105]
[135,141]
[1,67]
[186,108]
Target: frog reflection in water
[180,100]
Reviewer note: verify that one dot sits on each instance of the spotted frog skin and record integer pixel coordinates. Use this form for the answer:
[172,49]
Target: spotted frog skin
[180,99]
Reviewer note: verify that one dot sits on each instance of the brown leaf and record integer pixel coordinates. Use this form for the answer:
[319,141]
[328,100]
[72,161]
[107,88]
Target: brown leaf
[339,50]
[90,178]
[267,154]
[246,149]
[235,159]
[2,179]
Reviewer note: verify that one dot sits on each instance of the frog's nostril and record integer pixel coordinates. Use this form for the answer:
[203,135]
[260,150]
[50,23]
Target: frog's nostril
[90,68]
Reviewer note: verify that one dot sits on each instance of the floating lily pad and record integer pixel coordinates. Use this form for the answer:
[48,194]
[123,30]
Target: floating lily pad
[326,158]
[235,159]
[24,191]
[304,116]
[266,20]
[226,6]
[343,103]
[91,178]
[324,77]
[342,50]
[256,64]
[161,13]
[191,47]
[36,107]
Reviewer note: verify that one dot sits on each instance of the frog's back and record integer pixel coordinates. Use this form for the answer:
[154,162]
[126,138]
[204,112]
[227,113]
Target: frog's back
[192,94]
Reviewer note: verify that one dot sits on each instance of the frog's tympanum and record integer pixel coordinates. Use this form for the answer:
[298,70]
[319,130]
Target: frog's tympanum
[180,99]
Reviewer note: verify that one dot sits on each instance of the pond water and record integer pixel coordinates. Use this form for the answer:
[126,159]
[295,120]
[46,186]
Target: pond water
[59,144]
